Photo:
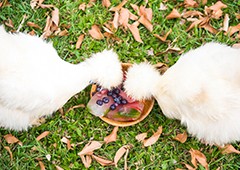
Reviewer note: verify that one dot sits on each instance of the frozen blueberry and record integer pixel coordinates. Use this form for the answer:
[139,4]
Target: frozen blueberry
[99,102]
[105,100]
[112,107]
[124,101]
[116,100]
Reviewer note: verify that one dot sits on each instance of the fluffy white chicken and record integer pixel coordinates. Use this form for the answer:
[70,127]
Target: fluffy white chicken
[35,81]
[202,90]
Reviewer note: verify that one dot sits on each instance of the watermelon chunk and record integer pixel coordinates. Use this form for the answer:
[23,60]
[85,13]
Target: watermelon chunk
[115,105]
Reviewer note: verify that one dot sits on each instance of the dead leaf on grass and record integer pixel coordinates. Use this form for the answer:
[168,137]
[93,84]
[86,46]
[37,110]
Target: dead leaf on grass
[76,106]
[136,8]
[146,12]
[229,149]
[146,23]
[12,139]
[31,24]
[112,137]
[123,17]
[55,16]
[67,141]
[163,38]
[217,6]
[96,33]
[140,137]
[190,3]
[198,156]
[135,32]
[9,151]
[42,135]
[173,14]
[9,23]
[181,137]
[103,161]
[42,167]
[82,6]
[86,160]
[106,3]
[162,7]
[209,28]
[59,168]
[115,20]
[62,33]
[189,167]
[192,14]
[119,6]
[79,41]
[233,29]
[90,147]
[237,15]
[226,23]
[47,30]
[119,154]
[153,139]
[237,45]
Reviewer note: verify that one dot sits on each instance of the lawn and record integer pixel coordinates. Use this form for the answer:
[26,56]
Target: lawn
[78,124]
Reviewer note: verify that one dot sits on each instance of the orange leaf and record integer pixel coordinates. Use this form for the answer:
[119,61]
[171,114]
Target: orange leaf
[146,23]
[82,6]
[134,30]
[9,151]
[106,3]
[190,3]
[229,149]
[123,17]
[42,167]
[79,41]
[173,14]
[181,137]
[102,161]
[96,33]
[42,135]
[112,137]
[90,147]
[121,151]
[12,139]
[118,7]
[140,137]
[200,157]
[31,24]
[153,139]
[163,38]
[86,160]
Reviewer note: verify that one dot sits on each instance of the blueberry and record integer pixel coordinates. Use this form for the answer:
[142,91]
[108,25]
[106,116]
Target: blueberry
[105,100]
[116,100]
[112,107]
[114,95]
[109,93]
[99,102]
[99,88]
[117,91]
[124,101]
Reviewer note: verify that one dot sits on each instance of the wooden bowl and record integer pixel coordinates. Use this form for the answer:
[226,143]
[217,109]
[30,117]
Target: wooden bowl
[148,105]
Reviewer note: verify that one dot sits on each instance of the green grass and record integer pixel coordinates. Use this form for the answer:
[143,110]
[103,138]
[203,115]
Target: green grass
[79,124]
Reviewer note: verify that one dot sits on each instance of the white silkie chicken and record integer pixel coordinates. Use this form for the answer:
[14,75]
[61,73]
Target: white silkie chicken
[35,81]
[202,90]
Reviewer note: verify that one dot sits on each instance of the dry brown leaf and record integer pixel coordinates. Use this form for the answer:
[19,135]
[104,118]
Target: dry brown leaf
[204,2]
[102,161]
[115,20]
[42,167]
[31,24]
[47,30]
[229,149]
[192,14]
[9,23]
[91,3]
[189,167]
[163,38]
[90,147]
[233,29]
[217,6]
[132,16]
[194,24]
[4,3]
[76,106]
[106,3]
[123,17]
[82,6]
[181,137]
[62,33]
[162,7]
[67,141]
[96,33]
[135,32]
[190,3]
[146,23]
[12,139]
[226,23]
[200,157]
[136,8]
[42,135]
[9,151]
[120,152]
[209,28]
[79,41]
[237,45]
[146,12]
[153,139]
[55,16]
[173,14]
[125,159]
[46,6]
[86,160]
[237,15]
[112,137]
[59,168]
[140,137]
[119,6]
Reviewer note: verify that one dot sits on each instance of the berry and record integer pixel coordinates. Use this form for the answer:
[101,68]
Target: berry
[112,107]
[117,91]
[117,100]
[109,93]
[124,101]
[105,100]
[99,102]
[114,95]
[98,88]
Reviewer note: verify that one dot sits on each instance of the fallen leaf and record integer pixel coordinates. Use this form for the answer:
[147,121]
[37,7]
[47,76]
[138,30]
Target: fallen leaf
[163,38]
[146,12]
[9,23]
[162,7]
[120,152]
[200,157]
[217,6]
[146,23]
[91,3]
[229,149]
[112,137]
[194,24]
[90,147]
[209,28]
[42,135]
[233,29]
[31,24]
[204,2]
[82,6]
[181,137]
[48,157]
[123,17]
[62,33]
[226,23]
[237,45]
[132,16]
[47,30]
[150,52]
[135,8]
[12,139]
[79,41]
[42,167]
[140,137]
[55,16]
[106,3]
[173,14]
[119,6]
[102,161]
[189,167]
[134,30]
[191,14]
[237,15]
[96,33]
[9,151]
[59,168]
[67,141]
[76,106]
[190,3]
[86,160]
[32,33]
[115,20]
[125,159]
[153,139]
